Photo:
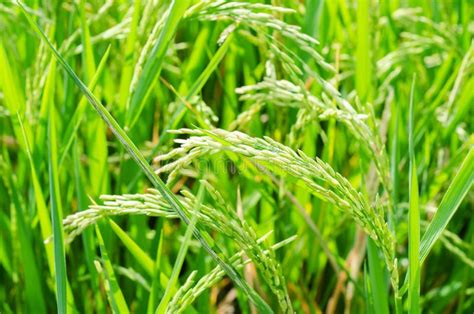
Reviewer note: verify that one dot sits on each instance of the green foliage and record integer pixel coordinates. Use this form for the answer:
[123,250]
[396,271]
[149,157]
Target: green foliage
[208,156]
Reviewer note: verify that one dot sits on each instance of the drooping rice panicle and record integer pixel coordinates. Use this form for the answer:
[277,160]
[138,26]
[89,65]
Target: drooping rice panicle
[311,173]
[222,219]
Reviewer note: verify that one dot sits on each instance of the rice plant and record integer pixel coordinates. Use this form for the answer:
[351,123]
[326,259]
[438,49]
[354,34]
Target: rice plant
[205,156]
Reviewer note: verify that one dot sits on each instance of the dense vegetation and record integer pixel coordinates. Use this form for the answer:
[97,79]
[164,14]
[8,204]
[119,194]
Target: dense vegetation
[215,156]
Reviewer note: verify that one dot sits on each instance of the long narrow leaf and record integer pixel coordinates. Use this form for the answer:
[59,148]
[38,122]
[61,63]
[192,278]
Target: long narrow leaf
[56,216]
[152,68]
[116,298]
[76,119]
[180,258]
[142,258]
[456,192]
[155,286]
[379,291]
[413,218]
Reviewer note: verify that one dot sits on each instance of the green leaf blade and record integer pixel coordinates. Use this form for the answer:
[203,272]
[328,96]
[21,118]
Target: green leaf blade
[413,217]
[450,202]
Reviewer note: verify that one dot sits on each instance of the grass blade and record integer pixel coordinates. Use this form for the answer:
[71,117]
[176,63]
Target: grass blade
[56,216]
[180,258]
[76,119]
[155,286]
[142,258]
[379,291]
[413,218]
[152,68]
[116,298]
[456,192]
